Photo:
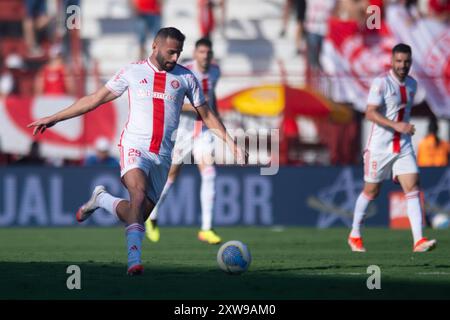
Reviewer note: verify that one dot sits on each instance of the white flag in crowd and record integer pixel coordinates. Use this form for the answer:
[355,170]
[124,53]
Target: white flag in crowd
[352,58]
[430,42]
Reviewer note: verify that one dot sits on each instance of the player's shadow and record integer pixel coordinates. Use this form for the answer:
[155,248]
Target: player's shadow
[314,268]
[48,280]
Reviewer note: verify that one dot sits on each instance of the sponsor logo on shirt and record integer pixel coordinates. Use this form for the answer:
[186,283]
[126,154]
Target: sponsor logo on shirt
[156,95]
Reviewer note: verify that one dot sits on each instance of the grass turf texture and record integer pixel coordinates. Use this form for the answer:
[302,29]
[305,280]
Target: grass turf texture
[296,263]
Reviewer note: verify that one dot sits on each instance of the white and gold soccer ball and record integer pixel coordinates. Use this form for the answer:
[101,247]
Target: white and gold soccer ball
[234,257]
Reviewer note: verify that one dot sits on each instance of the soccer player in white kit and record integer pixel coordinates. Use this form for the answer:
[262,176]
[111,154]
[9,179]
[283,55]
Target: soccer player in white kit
[156,89]
[389,152]
[193,137]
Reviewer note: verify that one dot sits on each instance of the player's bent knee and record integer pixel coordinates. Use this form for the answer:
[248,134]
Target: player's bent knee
[371,192]
[138,196]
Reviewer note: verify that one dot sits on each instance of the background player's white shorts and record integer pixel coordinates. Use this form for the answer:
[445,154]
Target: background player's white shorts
[202,147]
[156,167]
[382,166]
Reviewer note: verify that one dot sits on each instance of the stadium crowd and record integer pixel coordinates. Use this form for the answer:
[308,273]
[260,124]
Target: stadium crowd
[42,62]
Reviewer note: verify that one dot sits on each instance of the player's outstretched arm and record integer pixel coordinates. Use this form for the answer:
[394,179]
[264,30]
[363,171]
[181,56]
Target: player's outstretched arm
[213,123]
[187,107]
[373,115]
[81,106]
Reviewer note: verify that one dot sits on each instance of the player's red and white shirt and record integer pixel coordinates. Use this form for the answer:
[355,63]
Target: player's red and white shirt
[395,100]
[208,82]
[155,102]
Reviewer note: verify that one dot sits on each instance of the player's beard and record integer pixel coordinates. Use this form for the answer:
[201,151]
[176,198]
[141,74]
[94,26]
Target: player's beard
[401,72]
[205,64]
[165,65]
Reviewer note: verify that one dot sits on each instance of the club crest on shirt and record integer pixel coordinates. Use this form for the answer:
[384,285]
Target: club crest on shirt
[175,84]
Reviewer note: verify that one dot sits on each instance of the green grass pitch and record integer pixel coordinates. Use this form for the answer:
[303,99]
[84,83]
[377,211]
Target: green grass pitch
[289,264]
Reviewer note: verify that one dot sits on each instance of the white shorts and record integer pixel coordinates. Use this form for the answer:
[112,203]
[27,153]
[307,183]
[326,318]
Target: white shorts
[201,147]
[383,166]
[156,167]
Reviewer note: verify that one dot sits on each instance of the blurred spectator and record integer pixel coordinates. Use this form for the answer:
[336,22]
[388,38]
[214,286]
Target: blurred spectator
[65,16]
[4,158]
[6,80]
[206,17]
[316,25]
[6,83]
[54,78]
[33,157]
[300,9]
[10,75]
[378,3]
[353,10]
[439,9]
[432,151]
[101,156]
[36,20]
[148,13]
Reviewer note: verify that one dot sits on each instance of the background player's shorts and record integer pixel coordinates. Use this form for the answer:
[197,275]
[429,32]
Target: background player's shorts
[201,147]
[156,167]
[382,166]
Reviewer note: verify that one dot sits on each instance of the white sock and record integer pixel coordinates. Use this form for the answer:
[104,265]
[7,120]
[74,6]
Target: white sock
[134,233]
[108,202]
[207,193]
[154,214]
[414,214]
[358,214]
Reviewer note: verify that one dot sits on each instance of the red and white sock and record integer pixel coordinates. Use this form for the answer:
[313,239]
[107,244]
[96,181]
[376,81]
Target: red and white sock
[207,193]
[108,202]
[154,214]
[414,214]
[358,214]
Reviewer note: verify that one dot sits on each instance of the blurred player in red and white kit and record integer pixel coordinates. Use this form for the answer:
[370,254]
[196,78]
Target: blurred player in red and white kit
[193,137]
[389,152]
[156,89]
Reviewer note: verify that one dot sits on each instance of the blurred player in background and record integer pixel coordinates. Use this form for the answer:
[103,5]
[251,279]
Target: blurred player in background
[156,87]
[192,137]
[389,151]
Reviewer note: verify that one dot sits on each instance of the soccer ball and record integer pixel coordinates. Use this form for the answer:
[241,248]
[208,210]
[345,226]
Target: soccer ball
[234,257]
[440,221]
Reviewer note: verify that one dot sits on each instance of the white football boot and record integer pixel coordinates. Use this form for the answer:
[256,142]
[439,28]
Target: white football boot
[89,207]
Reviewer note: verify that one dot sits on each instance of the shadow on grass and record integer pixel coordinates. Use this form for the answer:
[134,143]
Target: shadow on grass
[47,280]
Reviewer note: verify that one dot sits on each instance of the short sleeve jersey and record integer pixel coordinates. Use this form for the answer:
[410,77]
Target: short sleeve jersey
[155,101]
[208,82]
[395,100]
